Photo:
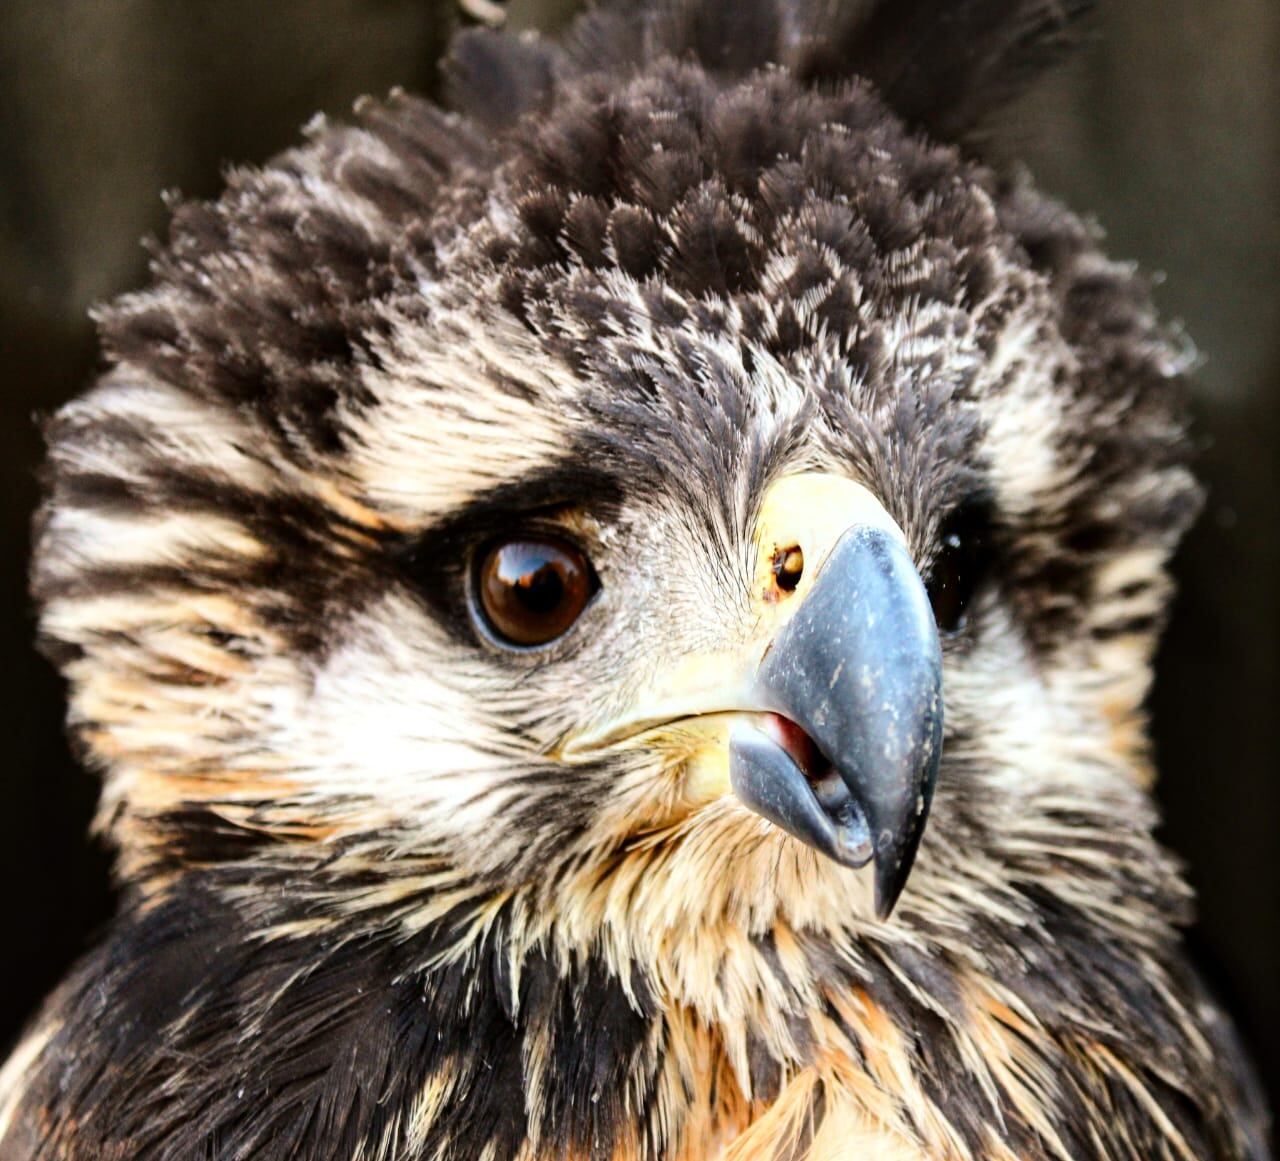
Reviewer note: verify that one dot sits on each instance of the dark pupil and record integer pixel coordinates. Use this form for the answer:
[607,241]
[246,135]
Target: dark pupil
[958,566]
[539,589]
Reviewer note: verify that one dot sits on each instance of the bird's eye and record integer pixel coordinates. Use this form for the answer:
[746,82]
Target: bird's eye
[530,590]
[959,565]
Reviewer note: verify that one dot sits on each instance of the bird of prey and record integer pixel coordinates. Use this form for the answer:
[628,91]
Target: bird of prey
[614,617]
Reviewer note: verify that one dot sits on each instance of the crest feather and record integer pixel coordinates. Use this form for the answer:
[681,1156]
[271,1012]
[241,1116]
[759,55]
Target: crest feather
[943,65]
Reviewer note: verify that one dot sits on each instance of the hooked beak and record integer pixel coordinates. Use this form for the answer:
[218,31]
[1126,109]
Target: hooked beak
[858,669]
[828,722]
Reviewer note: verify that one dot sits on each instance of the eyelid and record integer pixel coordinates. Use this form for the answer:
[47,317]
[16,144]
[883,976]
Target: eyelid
[563,521]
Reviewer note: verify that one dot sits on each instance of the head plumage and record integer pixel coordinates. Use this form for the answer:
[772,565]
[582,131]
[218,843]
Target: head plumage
[944,66]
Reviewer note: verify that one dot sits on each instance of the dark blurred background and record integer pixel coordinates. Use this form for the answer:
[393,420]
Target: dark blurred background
[1167,128]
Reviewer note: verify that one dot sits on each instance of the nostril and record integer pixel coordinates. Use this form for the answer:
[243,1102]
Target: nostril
[788,567]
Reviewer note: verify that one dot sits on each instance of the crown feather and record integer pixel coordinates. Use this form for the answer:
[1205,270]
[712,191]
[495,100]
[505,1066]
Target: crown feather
[495,79]
[945,66]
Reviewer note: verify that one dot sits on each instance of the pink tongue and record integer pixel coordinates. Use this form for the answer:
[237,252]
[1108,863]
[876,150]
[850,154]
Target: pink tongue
[798,745]
[833,797]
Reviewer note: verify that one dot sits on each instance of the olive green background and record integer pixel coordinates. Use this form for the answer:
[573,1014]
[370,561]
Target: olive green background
[1167,127]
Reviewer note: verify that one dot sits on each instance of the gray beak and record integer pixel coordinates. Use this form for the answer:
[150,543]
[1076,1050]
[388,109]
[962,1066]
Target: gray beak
[858,669]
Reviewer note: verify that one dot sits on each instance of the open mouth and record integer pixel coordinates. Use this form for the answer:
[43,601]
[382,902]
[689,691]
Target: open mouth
[780,772]
[811,781]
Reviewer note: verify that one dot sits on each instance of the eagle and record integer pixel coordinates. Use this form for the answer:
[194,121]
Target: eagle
[614,614]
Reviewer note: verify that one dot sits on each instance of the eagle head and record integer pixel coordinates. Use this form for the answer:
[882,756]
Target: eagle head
[649,491]
[678,507]
[649,486]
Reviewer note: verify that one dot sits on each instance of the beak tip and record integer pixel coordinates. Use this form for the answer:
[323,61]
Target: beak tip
[890,878]
[896,852]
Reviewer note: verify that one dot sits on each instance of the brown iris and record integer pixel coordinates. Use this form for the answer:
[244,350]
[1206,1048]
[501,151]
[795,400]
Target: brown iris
[532,589]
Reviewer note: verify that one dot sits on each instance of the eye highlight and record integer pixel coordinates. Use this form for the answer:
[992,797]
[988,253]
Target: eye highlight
[529,590]
[959,565]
